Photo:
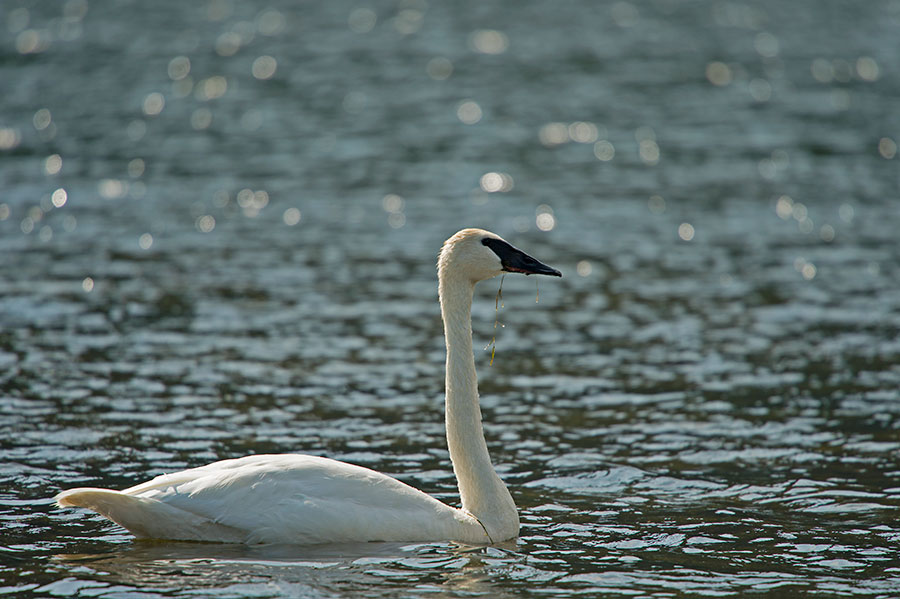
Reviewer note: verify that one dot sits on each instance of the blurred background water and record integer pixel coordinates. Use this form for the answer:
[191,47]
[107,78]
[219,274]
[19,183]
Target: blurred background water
[218,227]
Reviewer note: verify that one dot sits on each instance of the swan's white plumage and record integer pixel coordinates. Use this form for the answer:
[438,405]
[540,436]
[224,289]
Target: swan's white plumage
[306,499]
[279,499]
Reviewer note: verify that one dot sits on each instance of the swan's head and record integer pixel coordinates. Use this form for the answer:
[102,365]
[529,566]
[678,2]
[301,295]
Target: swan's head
[477,254]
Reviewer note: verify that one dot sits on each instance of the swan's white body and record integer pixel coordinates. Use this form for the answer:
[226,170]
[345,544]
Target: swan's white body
[306,499]
[285,498]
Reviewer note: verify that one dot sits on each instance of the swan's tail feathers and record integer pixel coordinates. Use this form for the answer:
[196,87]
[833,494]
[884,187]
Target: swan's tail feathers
[149,518]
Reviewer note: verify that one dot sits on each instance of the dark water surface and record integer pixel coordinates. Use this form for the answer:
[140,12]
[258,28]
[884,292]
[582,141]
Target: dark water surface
[218,229]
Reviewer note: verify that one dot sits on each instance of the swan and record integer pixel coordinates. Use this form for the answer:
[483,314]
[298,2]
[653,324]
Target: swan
[303,499]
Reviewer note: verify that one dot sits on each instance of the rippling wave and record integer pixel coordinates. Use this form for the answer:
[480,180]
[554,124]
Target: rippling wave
[219,222]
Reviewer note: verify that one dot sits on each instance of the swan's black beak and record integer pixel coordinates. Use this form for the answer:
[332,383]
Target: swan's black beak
[515,260]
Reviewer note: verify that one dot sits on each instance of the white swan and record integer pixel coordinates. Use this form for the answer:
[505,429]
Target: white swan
[305,499]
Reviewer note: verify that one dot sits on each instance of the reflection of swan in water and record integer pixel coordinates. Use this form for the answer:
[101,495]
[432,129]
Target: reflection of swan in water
[308,570]
[306,499]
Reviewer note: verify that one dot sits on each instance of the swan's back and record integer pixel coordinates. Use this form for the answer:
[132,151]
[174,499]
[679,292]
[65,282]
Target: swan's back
[278,499]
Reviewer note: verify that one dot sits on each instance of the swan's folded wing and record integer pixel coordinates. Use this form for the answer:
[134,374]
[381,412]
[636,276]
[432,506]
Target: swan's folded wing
[308,499]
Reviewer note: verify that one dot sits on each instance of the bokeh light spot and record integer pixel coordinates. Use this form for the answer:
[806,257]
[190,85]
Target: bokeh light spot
[649,151]
[392,203]
[291,217]
[201,119]
[604,150]
[59,198]
[9,138]
[784,207]
[489,41]
[439,68]
[469,112]
[544,220]
[362,20]
[583,132]
[806,225]
[270,22]
[112,189]
[205,223]
[264,67]
[211,88]
[767,168]
[718,73]
[766,45]
[154,104]
[32,41]
[553,134]
[408,21]
[252,202]
[42,119]
[53,164]
[686,231]
[136,168]
[806,269]
[145,241]
[396,220]
[760,89]
[179,67]
[496,182]
[821,70]
[228,43]
[867,69]
[846,213]
[644,133]
[887,147]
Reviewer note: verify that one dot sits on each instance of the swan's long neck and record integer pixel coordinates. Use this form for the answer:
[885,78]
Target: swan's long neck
[482,492]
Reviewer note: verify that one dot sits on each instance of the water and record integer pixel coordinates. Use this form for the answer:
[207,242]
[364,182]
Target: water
[242,261]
